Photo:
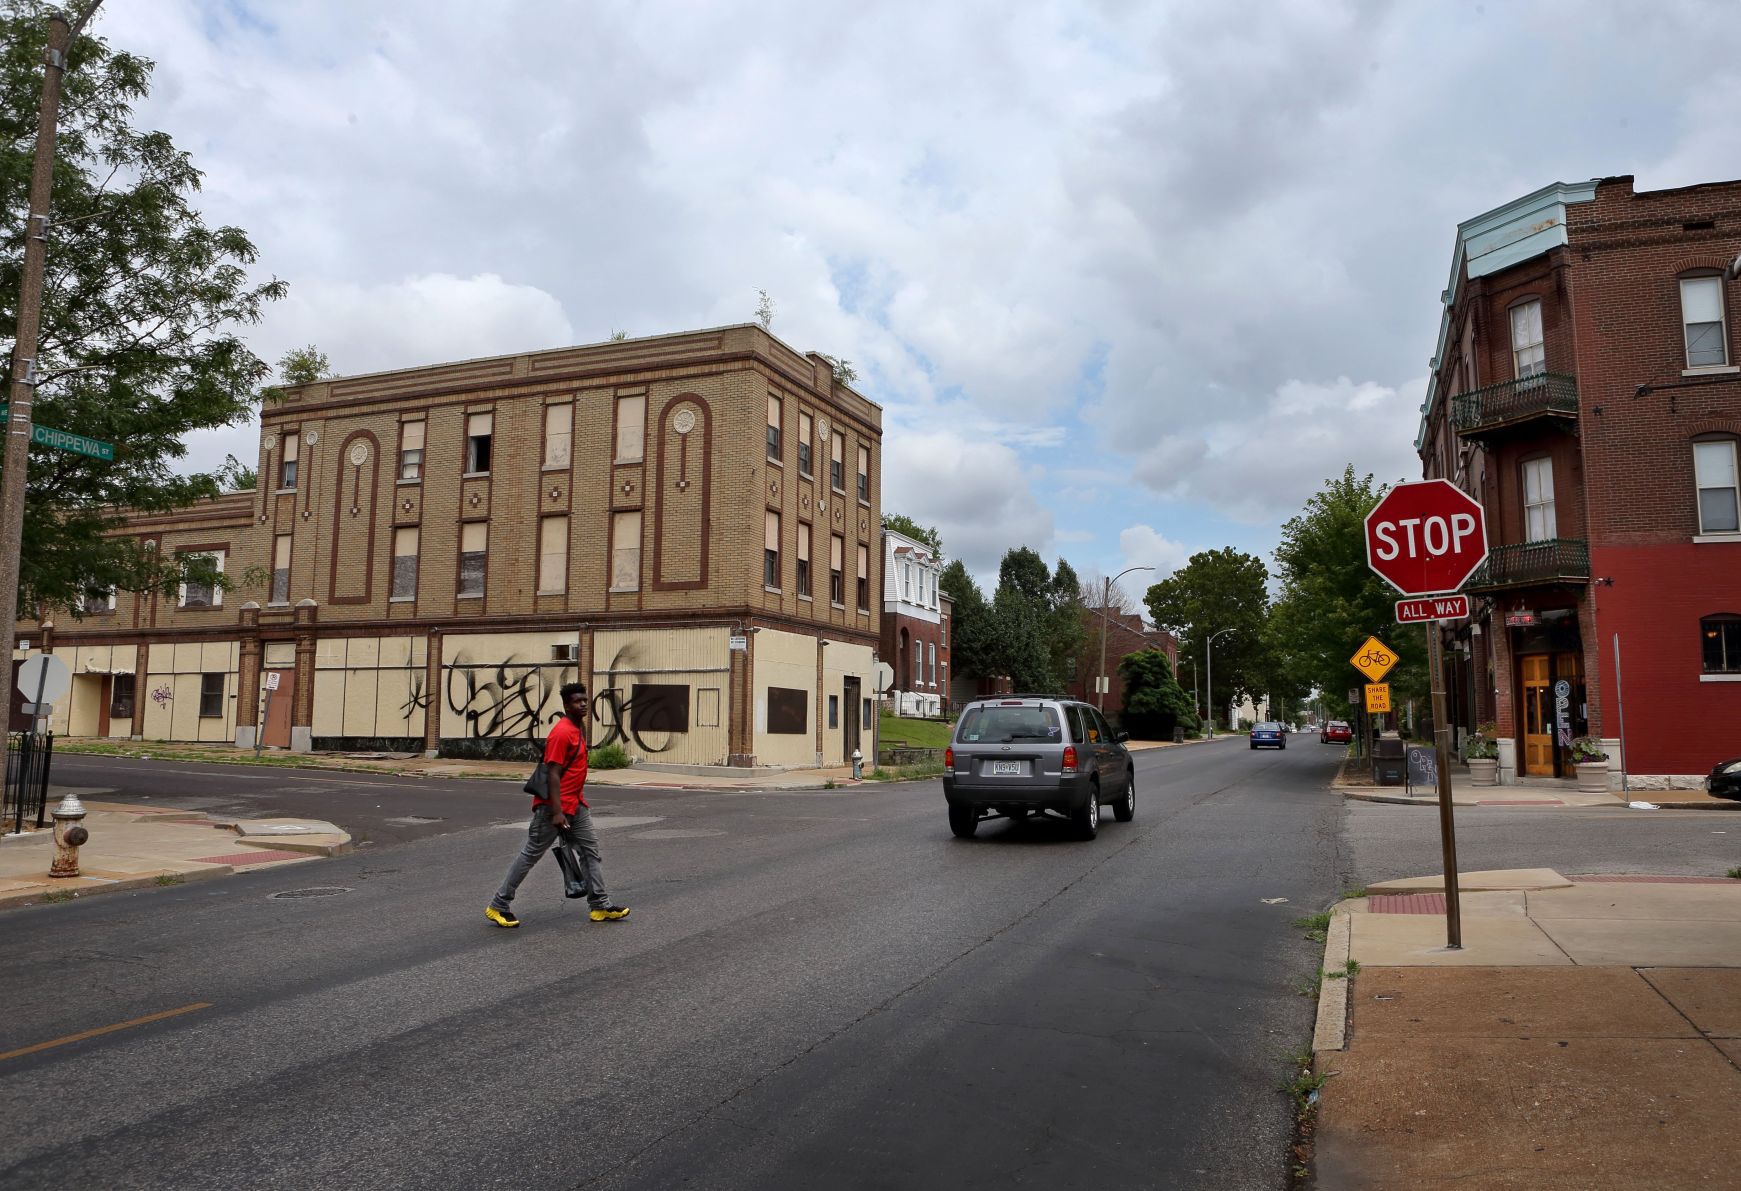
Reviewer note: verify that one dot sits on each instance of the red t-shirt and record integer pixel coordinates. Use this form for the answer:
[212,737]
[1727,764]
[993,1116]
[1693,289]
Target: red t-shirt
[565,746]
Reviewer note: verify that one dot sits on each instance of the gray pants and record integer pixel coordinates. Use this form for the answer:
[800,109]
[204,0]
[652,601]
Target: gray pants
[581,840]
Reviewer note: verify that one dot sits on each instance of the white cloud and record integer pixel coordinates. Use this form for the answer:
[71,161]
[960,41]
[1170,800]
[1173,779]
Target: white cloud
[1143,546]
[975,492]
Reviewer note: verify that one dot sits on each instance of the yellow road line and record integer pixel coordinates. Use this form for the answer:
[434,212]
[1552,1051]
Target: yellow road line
[120,1025]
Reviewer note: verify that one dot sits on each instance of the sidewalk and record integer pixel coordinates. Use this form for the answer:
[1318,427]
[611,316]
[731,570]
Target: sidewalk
[1530,791]
[133,846]
[1588,1034]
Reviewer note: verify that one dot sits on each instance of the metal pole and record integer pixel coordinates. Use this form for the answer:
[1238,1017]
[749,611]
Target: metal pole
[1620,706]
[1100,681]
[1447,827]
[1209,684]
[29,327]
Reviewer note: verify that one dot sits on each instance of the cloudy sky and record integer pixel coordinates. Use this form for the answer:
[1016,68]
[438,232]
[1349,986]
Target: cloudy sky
[1129,279]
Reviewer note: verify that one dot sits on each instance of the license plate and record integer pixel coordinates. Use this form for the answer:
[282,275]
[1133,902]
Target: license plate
[1008,768]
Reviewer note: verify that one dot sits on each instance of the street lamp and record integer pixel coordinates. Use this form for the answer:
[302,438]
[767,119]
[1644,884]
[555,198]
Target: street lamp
[1209,677]
[1105,610]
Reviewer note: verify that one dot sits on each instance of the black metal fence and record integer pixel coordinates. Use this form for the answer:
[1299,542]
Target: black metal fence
[28,755]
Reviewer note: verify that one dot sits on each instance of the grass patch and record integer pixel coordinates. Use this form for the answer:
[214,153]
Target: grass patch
[169,878]
[1310,986]
[1302,1086]
[59,895]
[831,784]
[1316,926]
[1348,893]
[609,756]
[1734,874]
[893,730]
[905,773]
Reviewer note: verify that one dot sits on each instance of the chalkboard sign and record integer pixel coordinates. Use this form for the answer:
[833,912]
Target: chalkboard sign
[1423,769]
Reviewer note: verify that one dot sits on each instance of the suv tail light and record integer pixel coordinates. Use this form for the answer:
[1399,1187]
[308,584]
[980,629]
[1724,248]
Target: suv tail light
[949,758]
[1069,758]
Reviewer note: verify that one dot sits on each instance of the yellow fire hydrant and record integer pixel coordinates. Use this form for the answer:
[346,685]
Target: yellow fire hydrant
[69,835]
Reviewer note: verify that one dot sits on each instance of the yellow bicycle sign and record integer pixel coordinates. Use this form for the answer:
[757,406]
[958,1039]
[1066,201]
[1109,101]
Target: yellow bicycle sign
[1373,659]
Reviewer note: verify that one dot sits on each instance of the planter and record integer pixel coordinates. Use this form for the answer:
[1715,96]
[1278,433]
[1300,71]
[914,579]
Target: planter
[1484,771]
[1593,777]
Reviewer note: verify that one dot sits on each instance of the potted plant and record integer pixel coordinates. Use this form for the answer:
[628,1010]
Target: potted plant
[1592,763]
[1481,751]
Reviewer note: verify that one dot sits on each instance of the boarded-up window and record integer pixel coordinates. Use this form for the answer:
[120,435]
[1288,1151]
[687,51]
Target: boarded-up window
[659,707]
[280,570]
[411,451]
[558,434]
[863,578]
[631,428]
[479,438]
[626,552]
[552,555]
[211,695]
[804,558]
[474,537]
[121,698]
[836,579]
[405,540]
[707,707]
[771,549]
[788,711]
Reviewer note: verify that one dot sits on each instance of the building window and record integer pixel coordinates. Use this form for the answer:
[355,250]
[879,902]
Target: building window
[834,711]
[479,435]
[626,551]
[404,582]
[411,450]
[204,593]
[771,549]
[1714,473]
[804,533]
[907,581]
[558,434]
[211,696]
[631,428]
[552,555]
[121,698]
[287,465]
[806,432]
[918,663]
[1538,500]
[943,634]
[280,570]
[474,541]
[1702,322]
[837,462]
[773,428]
[931,658]
[836,579]
[98,601]
[863,578]
[864,474]
[1527,356]
[1721,638]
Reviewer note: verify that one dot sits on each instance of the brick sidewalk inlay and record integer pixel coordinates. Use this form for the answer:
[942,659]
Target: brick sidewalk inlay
[252,856]
[1406,903]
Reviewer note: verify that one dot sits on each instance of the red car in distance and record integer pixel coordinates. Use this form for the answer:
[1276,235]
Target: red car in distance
[1336,732]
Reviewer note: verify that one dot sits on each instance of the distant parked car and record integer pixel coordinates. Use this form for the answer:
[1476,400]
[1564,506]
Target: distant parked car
[1269,734]
[1725,779]
[1336,732]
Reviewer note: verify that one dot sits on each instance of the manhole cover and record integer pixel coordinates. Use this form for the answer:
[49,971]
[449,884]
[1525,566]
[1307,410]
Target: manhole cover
[316,891]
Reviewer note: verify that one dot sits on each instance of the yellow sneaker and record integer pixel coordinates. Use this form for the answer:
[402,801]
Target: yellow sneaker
[503,917]
[609,913]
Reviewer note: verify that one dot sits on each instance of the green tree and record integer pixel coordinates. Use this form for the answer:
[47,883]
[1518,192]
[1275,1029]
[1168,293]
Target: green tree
[1154,702]
[901,523]
[1066,634]
[1216,590]
[1018,646]
[142,303]
[1025,571]
[1330,600]
[971,635]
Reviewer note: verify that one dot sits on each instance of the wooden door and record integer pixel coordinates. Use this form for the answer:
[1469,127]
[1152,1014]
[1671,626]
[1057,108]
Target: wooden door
[853,714]
[277,734]
[1538,715]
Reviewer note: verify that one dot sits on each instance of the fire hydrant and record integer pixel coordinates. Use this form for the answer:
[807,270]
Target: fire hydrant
[857,766]
[69,835]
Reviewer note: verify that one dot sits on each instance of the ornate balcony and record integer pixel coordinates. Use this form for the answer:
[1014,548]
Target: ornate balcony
[1480,413]
[1533,564]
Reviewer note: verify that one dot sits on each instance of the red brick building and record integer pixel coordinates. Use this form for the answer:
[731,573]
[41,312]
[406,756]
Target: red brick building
[1587,389]
[914,637]
[1125,634]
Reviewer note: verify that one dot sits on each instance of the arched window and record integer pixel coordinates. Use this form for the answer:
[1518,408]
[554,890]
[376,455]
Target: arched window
[1720,639]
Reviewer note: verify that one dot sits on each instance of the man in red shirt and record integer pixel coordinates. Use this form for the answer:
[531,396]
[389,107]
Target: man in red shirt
[569,821]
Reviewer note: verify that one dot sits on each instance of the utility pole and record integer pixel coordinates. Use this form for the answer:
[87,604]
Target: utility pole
[1209,678]
[24,370]
[1105,614]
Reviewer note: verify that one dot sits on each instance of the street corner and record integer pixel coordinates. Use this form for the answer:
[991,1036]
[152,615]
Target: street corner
[313,837]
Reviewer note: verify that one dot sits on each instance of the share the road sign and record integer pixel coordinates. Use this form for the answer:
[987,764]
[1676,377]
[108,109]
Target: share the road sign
[62,440]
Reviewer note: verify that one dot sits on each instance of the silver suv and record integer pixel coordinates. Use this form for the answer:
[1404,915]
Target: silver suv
[1019,755]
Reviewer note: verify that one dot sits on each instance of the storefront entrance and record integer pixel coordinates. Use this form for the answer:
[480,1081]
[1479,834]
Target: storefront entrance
[1552,702]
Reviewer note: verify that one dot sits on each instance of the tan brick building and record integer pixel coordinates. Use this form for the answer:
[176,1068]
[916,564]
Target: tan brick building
[688,523]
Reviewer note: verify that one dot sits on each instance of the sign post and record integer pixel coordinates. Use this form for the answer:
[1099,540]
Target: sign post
[272,678]
[1428,538]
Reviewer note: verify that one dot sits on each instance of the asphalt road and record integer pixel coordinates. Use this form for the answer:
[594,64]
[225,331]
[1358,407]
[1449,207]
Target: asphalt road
[816,989]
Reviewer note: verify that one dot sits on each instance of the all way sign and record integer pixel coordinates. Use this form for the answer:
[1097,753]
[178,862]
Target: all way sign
[1451,607]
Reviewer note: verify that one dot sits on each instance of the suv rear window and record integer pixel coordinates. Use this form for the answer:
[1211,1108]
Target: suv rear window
[1007,723]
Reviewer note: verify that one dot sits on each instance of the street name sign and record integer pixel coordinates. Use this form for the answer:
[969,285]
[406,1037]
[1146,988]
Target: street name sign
[1377,696]
[1452,607]
[61,440]
[1373,659]
[1426,537]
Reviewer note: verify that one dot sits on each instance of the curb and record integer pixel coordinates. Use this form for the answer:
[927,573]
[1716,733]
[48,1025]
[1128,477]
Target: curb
[1331,1029]
[32,897]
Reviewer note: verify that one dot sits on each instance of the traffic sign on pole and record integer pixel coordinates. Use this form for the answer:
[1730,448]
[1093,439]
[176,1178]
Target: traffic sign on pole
[1451,607]
[1377,696]
[1373,659]
[1426,537]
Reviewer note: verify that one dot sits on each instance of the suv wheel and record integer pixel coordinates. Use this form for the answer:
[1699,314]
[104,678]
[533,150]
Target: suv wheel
[1124,810]
[963,821]
[1087,818]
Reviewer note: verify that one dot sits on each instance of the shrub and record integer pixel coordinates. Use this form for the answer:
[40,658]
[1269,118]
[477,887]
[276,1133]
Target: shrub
[609,756]
[1586,749]
[1481,744]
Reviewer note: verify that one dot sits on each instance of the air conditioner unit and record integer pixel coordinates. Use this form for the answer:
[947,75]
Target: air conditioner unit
[565,653]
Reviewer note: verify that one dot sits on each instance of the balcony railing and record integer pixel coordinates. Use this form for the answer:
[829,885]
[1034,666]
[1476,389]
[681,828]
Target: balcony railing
[1545,395]
[1528,564]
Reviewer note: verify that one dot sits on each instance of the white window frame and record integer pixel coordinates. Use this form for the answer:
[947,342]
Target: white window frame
[415,534]
[217,591]
[631,444]
[415,429]
[626,550]
[1540,507]
[1715,283]
[472,420]
[1528,357]
[558,435]
[460,591]
[553,555]
[272,588]
[1733,487]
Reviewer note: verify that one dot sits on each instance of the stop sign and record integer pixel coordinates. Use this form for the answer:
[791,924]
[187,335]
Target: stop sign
[1426,537]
